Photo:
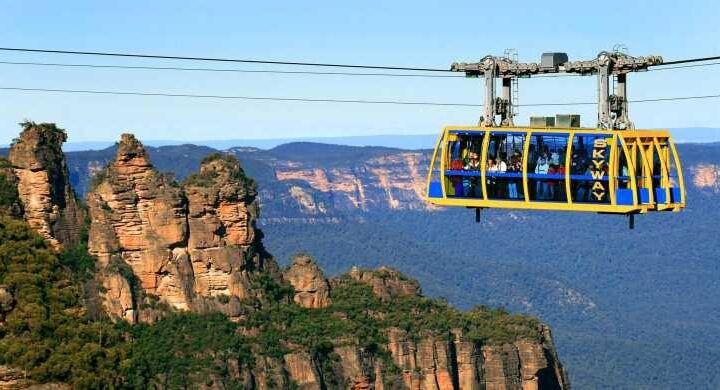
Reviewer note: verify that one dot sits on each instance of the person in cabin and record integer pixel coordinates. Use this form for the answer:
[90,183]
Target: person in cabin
[501,164]
[550,190]
[560,186]
[471,183]
[500,188]
[556,186]
[473,163]
[515,166]
[555,158]
[541,168]
[492,168]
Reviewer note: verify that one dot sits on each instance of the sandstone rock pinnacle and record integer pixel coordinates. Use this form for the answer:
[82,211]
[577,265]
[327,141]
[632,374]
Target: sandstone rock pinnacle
[43,183]
[192,246]
[312,290]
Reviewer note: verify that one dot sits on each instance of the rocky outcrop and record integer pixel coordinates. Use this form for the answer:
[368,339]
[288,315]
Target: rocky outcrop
[15,379]
[193,247]
[452,362]
[312,290]
[43,184]
[706,177]
[386,282]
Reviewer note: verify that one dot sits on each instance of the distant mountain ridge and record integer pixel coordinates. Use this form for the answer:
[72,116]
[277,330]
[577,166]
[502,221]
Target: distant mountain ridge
[400,141]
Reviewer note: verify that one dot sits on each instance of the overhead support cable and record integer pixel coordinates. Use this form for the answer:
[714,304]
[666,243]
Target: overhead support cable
[274,62]
[324,100]
[235,70]
[227,70]
[689,60]
[216,59]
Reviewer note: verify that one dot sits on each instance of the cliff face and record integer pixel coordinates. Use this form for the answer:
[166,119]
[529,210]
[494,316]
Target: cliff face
[432,360]
[706,176]
[43,184]
[191,247]
[322,184]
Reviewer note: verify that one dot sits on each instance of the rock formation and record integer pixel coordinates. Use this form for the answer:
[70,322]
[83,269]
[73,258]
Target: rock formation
[430,362]
[311,288]
[43,184]
[706,177]
[386,282]
[191,247]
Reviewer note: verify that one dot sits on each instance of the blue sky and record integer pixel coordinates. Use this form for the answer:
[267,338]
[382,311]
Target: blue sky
[400,33]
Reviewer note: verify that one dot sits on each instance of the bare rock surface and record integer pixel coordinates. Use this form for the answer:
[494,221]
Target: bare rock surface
[43,184]
[386,282]
[192,247]
[312,290]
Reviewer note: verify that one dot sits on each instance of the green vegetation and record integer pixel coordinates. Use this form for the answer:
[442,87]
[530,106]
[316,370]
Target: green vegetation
[8,190]
[52,127]
[207,177]
[184,349]
[99,177]
[420,316]
[48,335]
[358,317]
[201,179]
[78,261]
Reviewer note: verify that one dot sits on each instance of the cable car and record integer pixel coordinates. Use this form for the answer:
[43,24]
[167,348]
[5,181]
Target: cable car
[543,167]
[569,169]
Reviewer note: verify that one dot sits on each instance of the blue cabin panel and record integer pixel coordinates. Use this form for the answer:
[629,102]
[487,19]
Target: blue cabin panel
[435,190]
[660,195]
[624,196]
[676,195]
[644,195]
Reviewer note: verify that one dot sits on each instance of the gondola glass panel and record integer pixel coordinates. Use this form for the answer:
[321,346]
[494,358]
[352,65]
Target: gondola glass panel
[504,166]
[665,175]
[589,167]
[643,169]
[624,191]
[462,172]
[676,195]
[546,167]
[659,176]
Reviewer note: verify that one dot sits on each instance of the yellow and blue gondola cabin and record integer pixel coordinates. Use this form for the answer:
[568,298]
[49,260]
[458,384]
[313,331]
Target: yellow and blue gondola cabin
[562,169]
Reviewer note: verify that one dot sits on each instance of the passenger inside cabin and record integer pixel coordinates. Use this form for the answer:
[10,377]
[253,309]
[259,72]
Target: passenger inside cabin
[471,184]
[500,190]
[515,166]
[542,167]
[555,158]
[473,162]
[491,180]
[556,185]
